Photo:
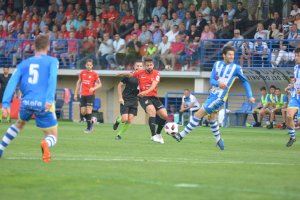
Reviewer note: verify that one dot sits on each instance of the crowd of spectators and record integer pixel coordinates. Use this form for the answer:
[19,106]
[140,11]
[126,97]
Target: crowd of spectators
[115,33]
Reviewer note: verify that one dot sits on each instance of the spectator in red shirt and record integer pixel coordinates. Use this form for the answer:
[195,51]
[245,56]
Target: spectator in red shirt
[64,31]
[80,34]
[90,31]
[127,22]
[136,29]
[104,13]
[3,32]
[113,16]
[176,49]
[69,11]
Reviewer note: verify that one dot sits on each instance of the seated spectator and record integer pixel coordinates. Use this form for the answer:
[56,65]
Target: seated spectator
[145,36]
[105,48]
[205,11]
[59,46]
[215,10]
[155,22]
[225,28]
[269,105]
[262,103]
[260,53]
[157,35]
[79,22]
[261,32]
[123,9]
[240,17]
[194,33]
[180,11]
[277,20]
[164,23]
[3,32]
[181,30]
[116,59]
[200,22]
[207,34]
[170,10]
[282,55]
[132,50]
[236,41]
[88,48]
[71,21]
[64,31]
[90,31]
[281,102]
[188,21]
[60,16]
[293,35]
[162,51]
[295,11]
[176,51]
[71,55]
[159,9]
[80,34]
[151,50]
[192,10]
[297,21]
[126,22]
[172,33]
[274,32]
[3,22]
[247,53]
[113,16]
[136,29]
[175,20]
[230,11]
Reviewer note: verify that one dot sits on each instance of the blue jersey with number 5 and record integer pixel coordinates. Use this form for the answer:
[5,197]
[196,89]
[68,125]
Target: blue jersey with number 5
[37,79]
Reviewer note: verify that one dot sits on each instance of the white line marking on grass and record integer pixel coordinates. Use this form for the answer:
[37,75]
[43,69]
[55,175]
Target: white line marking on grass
[162,160]
[186,185]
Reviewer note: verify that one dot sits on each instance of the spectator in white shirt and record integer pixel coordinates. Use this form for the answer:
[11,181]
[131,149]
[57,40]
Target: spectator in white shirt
[159,9]
[172,33]
[163,50]
[105,48]
[261,32]
[3,22]
[296,10]
[116,59]
[205,10]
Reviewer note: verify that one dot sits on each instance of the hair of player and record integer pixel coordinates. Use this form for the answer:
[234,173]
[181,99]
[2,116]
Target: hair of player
[277,89]
[273,86]
[226,49]
[89,60]
[148,59]
[263,88]
[41,42]
[297,50]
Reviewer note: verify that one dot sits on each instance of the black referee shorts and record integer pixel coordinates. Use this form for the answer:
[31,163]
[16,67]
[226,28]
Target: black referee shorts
[128,109]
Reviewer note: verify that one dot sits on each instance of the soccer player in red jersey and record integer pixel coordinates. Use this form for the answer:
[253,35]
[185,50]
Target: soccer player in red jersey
[88,82]
[148,79]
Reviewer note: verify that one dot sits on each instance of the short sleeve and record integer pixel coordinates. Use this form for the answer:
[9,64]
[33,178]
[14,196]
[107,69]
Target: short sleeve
[157,76]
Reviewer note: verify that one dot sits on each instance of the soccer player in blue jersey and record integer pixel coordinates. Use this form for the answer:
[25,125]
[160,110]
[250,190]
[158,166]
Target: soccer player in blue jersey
[37,78]
[222,77]
[294,103]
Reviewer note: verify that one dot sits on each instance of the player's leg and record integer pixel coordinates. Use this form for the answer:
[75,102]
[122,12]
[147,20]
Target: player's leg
[0,109]
[123,110]
[255,112]
[8,116]
[88,116]
[291,111]
[214,127]
[283,112]
[10,134]
[124,125]
[161,114]
[13,131]
[47,122]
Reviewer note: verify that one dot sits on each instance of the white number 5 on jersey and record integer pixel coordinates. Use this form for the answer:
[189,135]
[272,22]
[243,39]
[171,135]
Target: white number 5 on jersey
[33,73]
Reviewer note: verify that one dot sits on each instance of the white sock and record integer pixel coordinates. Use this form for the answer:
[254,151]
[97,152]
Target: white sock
[214,127]
[51,140]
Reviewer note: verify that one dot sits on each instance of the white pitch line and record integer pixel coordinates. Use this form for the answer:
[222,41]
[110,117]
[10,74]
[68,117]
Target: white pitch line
[185,161]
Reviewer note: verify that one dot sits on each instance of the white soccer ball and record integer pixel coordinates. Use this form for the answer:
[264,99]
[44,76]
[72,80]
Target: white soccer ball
[94,120]
[171,128]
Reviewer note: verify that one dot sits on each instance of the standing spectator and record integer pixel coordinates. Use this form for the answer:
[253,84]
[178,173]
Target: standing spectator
[159,9]
[252,8]
[170,10]
[145,36]
[205,11]
[240,17]
[188,21]
[141,10]
[277,20]
[71,55]
[113,16]
[105,48]
[132,50]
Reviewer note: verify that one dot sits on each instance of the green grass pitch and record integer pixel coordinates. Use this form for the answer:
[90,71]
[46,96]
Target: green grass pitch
[255,165]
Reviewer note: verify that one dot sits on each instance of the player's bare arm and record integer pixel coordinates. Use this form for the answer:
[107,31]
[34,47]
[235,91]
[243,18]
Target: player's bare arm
[77,89]
[97,86]
[121,100]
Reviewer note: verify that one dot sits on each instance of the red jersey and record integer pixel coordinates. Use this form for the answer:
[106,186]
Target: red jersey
[146,79]
[88,80]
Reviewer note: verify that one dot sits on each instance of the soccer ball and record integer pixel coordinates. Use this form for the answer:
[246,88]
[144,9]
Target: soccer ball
[94,120]
[171,128]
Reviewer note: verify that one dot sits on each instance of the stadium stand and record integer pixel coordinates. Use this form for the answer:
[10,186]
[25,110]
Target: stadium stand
[77,28]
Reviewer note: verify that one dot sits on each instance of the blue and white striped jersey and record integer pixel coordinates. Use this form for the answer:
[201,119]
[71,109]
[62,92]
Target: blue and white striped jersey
[227,73]
[37,79]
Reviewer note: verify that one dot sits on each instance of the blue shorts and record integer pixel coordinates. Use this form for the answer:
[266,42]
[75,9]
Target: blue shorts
[212,104]
[294,103]
[42,119]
